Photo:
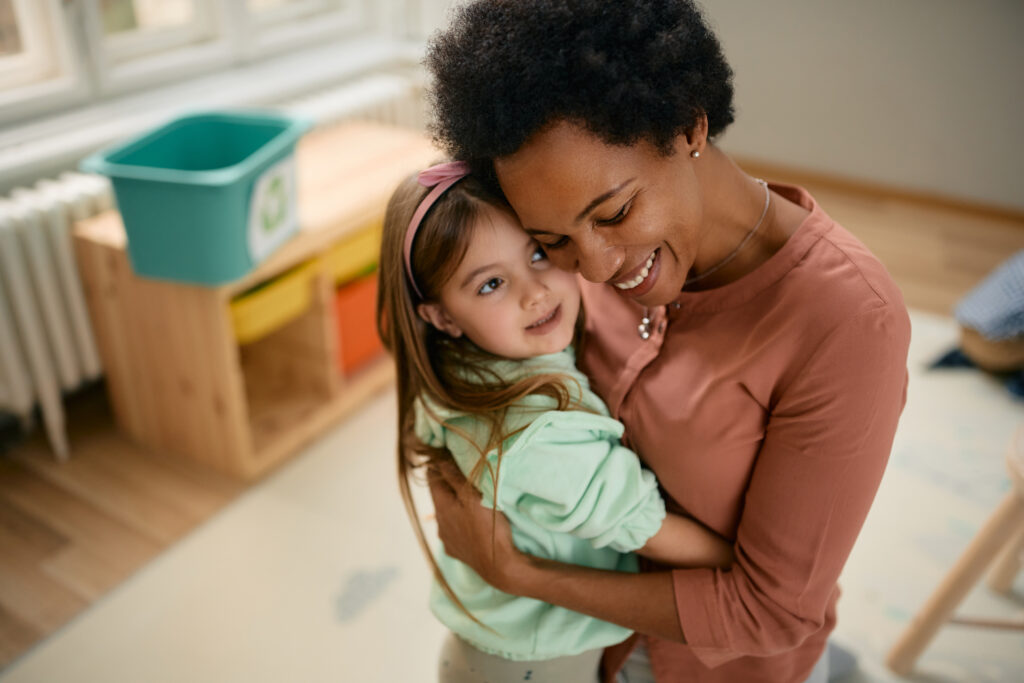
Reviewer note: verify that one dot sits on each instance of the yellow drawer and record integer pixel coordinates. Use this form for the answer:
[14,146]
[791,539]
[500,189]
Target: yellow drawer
[274,303]
[354,255]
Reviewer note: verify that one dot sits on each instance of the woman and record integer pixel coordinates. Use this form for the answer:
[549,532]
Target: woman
[754,349]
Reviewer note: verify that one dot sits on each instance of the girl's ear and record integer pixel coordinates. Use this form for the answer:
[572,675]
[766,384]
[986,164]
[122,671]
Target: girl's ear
[434,314]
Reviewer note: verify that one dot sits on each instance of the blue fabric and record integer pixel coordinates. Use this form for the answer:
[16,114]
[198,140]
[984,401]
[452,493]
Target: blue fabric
[954,358]
[995,308]
[1015,383]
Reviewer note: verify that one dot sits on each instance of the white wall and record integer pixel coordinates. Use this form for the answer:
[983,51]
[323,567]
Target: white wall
[926,95]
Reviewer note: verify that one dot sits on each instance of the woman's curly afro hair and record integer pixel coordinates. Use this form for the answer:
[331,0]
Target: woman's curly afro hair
[626,70]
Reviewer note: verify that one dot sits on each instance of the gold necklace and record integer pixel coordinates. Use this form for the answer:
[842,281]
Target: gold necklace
[743,242]
[644,328]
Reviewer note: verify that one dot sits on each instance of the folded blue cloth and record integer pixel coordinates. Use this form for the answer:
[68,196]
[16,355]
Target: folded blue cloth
[995,308]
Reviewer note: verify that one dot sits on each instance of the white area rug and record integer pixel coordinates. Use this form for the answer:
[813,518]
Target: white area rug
[314,575]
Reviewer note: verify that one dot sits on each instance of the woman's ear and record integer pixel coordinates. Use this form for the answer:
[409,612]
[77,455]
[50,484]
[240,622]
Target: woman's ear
[434,314]
[697,138]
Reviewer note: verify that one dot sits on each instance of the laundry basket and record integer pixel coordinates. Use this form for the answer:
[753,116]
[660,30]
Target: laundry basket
[207,196]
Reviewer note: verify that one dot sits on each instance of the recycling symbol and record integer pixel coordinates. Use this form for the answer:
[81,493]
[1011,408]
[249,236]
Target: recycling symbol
[274,208]
[271,218]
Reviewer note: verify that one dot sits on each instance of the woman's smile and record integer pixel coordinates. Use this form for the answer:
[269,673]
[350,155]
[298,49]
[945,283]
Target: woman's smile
[641,279]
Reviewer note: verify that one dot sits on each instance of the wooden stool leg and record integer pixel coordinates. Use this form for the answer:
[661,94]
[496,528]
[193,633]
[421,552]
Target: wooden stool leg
[1007,565]
[961,578]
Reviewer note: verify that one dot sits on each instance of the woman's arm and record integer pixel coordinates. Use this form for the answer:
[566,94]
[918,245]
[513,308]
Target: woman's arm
[642,602]
[818,469]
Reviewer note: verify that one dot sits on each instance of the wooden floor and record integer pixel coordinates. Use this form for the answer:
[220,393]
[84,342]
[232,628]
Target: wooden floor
[71,532]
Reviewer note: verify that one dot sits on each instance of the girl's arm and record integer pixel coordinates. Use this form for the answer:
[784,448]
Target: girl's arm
[684,542]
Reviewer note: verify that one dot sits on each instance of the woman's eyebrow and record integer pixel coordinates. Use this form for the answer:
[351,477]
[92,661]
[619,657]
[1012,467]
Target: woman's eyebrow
[590,207]
[601,199]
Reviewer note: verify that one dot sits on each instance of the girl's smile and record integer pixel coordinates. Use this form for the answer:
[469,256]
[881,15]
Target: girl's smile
[548,323]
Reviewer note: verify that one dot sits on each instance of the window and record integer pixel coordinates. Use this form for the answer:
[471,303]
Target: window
[145,15]
[95,49]
[130,28]
[35,54]
[10,34]
[134,44]
[27,50]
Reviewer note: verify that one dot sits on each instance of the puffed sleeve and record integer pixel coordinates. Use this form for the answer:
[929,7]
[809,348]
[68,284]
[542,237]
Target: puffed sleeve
[568,473]
[825,448]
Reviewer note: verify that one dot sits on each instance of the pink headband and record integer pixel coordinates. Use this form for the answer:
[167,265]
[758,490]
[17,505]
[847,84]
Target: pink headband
[440,177]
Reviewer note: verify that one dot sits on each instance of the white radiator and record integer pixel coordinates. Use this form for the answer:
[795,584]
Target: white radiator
[47,347]
[46,341]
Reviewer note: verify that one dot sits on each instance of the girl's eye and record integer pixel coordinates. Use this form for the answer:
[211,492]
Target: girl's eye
[490,285]
[617,218]
[538,255]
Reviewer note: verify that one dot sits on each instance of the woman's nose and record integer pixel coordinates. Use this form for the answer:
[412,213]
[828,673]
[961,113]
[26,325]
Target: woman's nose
[596,259]
[565,258]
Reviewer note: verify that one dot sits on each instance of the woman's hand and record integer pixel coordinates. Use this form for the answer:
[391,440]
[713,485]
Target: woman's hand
[482,539]
[472,533]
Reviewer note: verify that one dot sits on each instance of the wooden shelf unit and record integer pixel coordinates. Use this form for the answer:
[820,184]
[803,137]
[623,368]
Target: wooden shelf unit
[178,379]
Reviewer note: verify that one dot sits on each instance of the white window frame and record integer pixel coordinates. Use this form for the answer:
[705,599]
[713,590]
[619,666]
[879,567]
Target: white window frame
[46,74]
[36,59]
[134,43]
[140,59]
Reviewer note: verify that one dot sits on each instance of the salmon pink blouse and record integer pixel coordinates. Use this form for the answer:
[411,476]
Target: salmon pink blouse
[767,410]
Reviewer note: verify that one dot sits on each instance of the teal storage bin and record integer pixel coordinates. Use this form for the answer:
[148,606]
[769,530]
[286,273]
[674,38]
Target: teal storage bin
[208,196]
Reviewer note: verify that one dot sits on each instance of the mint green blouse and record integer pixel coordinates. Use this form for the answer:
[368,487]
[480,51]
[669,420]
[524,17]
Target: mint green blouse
[571,493]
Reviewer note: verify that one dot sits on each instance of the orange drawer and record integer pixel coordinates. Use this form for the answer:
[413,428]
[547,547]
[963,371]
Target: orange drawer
[355,308]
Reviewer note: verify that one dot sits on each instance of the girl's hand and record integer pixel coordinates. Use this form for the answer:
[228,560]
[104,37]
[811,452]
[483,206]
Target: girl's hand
[466,527]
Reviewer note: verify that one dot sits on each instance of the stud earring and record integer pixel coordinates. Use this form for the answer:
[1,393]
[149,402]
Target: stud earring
[695,154]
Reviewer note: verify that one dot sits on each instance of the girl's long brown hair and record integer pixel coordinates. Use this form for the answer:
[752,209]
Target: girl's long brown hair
[449,372]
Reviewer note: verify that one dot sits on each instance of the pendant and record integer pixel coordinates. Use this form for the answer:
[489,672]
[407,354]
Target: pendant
[644,328]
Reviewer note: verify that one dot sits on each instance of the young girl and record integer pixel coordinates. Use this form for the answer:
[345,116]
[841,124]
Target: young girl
[481,327]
